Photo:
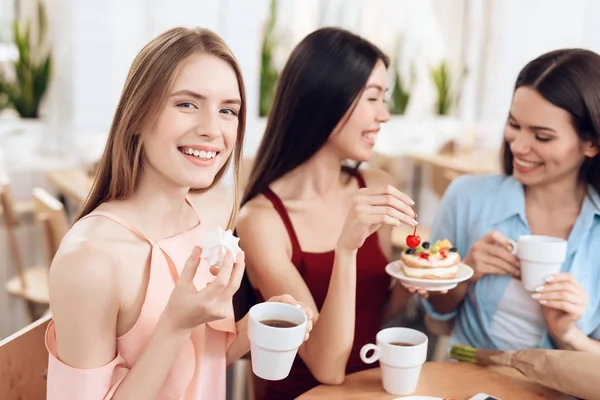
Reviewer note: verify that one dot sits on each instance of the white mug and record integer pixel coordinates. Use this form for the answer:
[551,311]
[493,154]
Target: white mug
[273,348]
[539,256]
[400,363]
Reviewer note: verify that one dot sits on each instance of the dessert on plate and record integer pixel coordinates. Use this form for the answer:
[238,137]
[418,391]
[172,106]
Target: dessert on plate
[437,260]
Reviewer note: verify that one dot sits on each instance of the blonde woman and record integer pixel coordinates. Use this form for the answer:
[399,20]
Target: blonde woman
[134,316]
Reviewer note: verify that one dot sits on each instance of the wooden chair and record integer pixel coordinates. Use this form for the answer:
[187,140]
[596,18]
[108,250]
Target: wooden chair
[31,283]
[24,363]
[51,215]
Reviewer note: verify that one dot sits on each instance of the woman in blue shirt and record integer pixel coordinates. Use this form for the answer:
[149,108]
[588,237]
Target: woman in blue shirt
[551,187]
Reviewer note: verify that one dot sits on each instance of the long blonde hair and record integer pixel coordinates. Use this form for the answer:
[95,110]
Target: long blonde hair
[146,89]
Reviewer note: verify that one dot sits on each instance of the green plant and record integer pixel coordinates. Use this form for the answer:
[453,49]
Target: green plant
[401,92]
[268,72]
[31,71]
[448,93]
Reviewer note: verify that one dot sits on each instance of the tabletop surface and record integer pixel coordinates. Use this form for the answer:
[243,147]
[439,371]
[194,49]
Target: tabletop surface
[485,162]
[445,380]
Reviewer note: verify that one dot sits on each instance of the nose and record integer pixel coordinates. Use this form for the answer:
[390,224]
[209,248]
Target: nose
[384,113]
[519,143]
[208,125]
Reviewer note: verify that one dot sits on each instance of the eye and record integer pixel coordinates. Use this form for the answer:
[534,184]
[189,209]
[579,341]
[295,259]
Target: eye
[542,139]
[186,105]
[229,111]
[513,125]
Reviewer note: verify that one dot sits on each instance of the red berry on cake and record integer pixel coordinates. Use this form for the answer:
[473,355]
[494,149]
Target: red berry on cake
[437,260]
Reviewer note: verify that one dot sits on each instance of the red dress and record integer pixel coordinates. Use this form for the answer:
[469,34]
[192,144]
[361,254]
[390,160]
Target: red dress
[371,293]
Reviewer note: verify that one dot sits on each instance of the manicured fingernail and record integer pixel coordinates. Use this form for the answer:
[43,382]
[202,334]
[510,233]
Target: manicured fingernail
[536,295]
[543,301]
[414,221]
[548,278]
[539,288]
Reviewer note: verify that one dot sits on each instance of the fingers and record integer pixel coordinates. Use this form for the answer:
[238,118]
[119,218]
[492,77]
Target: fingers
[386,190]
[563,277]
[237,273]
[191,266]
[495,237]
[391,201]
[224,274]
[565,294]
[576,310]
[395,213]
[498,265]
[502,254]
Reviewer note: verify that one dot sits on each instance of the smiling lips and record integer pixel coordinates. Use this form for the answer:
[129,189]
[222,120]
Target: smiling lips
[525,166]
[199,155]
[370,135]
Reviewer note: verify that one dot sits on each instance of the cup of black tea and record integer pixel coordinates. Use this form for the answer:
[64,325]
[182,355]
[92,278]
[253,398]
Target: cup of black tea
[275,330]
[401,352]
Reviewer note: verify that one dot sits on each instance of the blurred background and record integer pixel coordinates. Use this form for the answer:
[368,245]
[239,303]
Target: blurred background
[63,64]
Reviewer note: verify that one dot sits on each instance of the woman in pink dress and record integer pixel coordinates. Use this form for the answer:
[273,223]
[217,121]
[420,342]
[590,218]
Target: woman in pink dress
[134,315]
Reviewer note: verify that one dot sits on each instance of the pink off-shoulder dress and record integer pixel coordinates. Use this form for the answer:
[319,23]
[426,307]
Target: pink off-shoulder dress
[199,372]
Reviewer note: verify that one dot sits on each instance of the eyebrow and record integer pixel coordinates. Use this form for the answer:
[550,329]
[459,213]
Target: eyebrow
[376,86]
[198,96]
[534,127]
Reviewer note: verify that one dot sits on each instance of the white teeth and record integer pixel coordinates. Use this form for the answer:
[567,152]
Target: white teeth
[199,153]
[526,164]
[371,136]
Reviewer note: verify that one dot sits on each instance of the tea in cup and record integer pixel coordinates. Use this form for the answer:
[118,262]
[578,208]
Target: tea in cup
[539,256]
[275,330]
[401,353]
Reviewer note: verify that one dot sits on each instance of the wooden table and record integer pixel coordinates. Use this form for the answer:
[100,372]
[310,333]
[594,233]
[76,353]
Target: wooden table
[450,380]
[485,162]
[74,184]
[445,167]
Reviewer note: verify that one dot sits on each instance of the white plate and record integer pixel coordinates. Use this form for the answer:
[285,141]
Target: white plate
[418,398]
[432,285]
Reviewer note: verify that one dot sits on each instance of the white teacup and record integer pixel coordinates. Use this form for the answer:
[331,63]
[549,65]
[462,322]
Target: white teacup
[540,256]
[401,362]
[273,347]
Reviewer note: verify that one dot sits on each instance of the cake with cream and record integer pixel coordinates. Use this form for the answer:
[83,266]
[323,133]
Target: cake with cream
[437,260]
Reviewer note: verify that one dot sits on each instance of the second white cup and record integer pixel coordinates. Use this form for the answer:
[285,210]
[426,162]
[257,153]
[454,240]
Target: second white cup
[401,353]
[539,256]
[275,330]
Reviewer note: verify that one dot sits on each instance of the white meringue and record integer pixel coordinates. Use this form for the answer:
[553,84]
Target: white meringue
[217,243]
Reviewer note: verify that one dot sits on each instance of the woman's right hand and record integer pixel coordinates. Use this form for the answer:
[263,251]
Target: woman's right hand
[491,255]
[188,307]
[371,208]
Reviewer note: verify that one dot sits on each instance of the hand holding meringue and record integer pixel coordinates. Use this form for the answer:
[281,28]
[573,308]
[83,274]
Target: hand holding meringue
[217,243]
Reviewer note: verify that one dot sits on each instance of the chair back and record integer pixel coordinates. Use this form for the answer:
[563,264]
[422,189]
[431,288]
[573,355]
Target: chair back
[24,362]
[52,216]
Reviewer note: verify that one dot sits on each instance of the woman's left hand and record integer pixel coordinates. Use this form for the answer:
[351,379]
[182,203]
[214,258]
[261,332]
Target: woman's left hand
[424,294]
[288,299]
[563,301]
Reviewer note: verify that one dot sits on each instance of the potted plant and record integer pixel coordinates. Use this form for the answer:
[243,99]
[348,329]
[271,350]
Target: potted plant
[27,86]
[268,72]
[447,97]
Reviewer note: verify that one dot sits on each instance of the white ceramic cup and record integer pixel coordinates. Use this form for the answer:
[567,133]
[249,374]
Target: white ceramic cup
[400,365]
[539,256]
[273,349]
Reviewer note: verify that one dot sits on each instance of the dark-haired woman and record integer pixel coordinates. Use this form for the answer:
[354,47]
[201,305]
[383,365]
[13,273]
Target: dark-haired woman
[316,229]
[550,187]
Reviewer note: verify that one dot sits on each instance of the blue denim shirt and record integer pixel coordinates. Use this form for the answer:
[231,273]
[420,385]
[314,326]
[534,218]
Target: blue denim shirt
[475,205]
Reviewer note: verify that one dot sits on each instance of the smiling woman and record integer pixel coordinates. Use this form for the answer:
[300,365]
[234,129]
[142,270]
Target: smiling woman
[133,316]
[551,187]
[313,227]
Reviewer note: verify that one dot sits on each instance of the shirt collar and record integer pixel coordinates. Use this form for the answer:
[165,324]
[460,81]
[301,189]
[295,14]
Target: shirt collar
[509,201]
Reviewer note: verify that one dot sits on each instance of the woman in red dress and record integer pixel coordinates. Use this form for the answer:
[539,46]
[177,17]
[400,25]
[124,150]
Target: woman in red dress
[314,228]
